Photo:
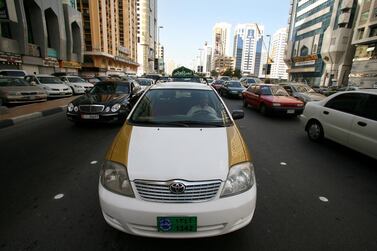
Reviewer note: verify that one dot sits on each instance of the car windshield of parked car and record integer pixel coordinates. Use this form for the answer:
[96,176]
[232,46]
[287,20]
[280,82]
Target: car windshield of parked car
[278,91]
[253,81]
[110,88]
[145,82]
[180,108]
[50,80]
[304,88]
[12,73]
[235,84]
[13,82]
[76,80]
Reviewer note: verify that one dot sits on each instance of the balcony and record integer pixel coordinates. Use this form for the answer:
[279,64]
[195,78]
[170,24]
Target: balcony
[344,18]
[346,5]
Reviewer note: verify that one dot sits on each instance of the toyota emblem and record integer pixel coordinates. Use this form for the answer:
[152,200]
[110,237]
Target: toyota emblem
[177,187]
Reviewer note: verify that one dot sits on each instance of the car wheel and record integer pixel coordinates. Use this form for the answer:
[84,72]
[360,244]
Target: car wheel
[315,131]
[263,109]
[245,103]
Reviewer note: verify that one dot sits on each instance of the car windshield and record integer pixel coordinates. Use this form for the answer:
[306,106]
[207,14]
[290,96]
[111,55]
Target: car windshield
[76,80]
[235,84]
[252,81]
[145,82]
[110,88]
[49,80]
[13,82]
[278,91]
[303,88]
[180,108]
[13,73]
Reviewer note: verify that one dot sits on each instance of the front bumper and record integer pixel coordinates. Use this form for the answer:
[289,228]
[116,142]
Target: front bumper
[216,217]
[102,117]
[58,94]
[26,99]
[286,110]
[235,94]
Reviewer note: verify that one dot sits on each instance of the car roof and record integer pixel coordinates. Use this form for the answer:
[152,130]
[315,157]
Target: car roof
[366,90]
[181,85]
[43,75]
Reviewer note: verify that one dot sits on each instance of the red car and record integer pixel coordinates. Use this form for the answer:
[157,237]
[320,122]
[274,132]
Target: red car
[217,84]
[269,98]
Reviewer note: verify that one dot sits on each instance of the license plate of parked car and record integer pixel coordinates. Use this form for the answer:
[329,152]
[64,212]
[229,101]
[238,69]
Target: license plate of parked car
[90,116]
[290,111]
[177,224]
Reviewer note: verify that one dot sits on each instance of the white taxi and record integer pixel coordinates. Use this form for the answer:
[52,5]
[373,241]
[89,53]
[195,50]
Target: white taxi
[179,167]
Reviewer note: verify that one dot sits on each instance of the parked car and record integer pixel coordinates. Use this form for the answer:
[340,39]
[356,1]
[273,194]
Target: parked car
[225,78]
[54,87]
[108,101]
[13,73]
[14,90]
[217,84]
[348,118]
[231,89]
[247,81]
[330,90]
[145,82]
[302,91]
[152,184]
[92,80]
[77,84]
[271,98]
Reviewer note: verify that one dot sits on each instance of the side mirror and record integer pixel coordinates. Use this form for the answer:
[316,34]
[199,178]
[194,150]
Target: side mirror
[238,114]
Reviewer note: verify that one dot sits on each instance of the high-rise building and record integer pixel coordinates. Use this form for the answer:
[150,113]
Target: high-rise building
[207,58]
[222,63]
[110,36]
[248,44]
[278,67]
[40,36]
[220,41]
[171,66]
[364,68]
[146,35]
[319,49]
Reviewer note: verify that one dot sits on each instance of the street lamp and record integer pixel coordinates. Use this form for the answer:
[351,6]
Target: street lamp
[158,48]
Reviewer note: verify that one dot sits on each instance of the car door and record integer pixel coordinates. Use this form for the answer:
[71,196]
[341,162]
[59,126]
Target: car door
[363,135]
[337,116]
[255,95]
[247,95]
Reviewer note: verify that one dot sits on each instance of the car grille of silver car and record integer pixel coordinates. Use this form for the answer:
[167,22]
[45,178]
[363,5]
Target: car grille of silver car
[92,108]
[55,90]
[29,93]
[160,191]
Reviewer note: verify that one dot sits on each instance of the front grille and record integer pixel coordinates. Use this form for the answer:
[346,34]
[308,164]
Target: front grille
[195,191]
[29,93]
[91,108]
[55,90]
[65,89]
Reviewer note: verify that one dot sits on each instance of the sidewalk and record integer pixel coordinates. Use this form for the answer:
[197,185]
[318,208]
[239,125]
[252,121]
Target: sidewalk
[14,115]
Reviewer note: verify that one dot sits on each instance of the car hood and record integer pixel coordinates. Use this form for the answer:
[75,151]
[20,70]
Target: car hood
[162,154]
[283,99]
[22,89]
[311,96]
[56,86]
[89,99]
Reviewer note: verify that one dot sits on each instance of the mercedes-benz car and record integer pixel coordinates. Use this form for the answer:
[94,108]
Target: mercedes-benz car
[108,101]
[160,179]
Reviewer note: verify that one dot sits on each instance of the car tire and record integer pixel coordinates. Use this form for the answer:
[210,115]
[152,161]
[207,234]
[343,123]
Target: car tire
[263,109]
[314,130]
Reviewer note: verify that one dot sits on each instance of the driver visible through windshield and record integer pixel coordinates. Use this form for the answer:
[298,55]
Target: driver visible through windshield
[180,108]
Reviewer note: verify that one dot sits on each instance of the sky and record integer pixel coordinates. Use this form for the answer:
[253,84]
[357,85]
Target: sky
[187,24]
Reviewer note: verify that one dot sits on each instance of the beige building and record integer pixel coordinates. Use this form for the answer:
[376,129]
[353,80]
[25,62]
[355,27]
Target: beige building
[364,68]
[222,63]
[110,36]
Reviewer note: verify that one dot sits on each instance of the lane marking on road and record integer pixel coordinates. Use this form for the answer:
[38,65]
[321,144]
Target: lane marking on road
[323,199]
[283,164]
[59,196]
[94,162]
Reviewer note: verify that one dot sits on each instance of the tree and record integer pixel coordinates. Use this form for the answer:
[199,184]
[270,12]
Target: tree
[237,73]
[228,72]
[214,73]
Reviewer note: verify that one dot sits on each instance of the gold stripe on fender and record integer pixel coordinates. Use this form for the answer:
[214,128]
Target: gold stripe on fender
[237,149]
[118,151]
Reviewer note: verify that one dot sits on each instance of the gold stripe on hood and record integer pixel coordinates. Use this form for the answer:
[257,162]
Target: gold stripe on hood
[118,151]
[237,149]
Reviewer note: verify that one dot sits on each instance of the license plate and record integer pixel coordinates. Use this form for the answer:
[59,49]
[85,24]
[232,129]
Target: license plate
[62,93]
[90,116]
[31,97]
[176,224]
[290,111]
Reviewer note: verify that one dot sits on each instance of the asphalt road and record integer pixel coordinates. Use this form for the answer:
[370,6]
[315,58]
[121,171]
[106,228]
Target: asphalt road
[49,157]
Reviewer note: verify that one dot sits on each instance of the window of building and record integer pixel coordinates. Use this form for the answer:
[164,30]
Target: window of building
[5,30]
[364,16]
[373,31]
[304,51]
[360,33]
[375,12]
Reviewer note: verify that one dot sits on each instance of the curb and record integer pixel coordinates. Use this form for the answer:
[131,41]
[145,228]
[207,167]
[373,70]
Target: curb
[23,118]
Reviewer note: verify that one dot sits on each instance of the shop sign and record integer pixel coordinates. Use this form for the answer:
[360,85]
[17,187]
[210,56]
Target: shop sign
[305,58]
[8,58]
[69,64]
[50,62]
[305,63]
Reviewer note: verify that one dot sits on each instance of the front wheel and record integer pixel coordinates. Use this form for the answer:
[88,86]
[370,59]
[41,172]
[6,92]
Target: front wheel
[315,131]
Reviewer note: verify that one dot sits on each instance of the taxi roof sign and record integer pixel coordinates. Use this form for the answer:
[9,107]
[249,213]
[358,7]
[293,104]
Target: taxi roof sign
[182,72]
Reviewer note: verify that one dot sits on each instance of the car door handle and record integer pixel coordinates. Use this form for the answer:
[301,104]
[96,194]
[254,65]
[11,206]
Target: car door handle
[326,112]
[362,124]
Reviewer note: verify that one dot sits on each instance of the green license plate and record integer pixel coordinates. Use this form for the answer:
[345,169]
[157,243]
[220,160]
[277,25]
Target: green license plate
[176,224]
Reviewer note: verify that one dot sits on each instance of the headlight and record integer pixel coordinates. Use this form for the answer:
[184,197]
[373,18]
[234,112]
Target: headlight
[114,177]
[241,178]
[300,105]
[107,109]
[115,107]
[76,109]
[47,88]
[70,107]
[14,93]
[276,104]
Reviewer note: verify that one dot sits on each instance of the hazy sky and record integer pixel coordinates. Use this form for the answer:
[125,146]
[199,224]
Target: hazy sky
[188,23]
